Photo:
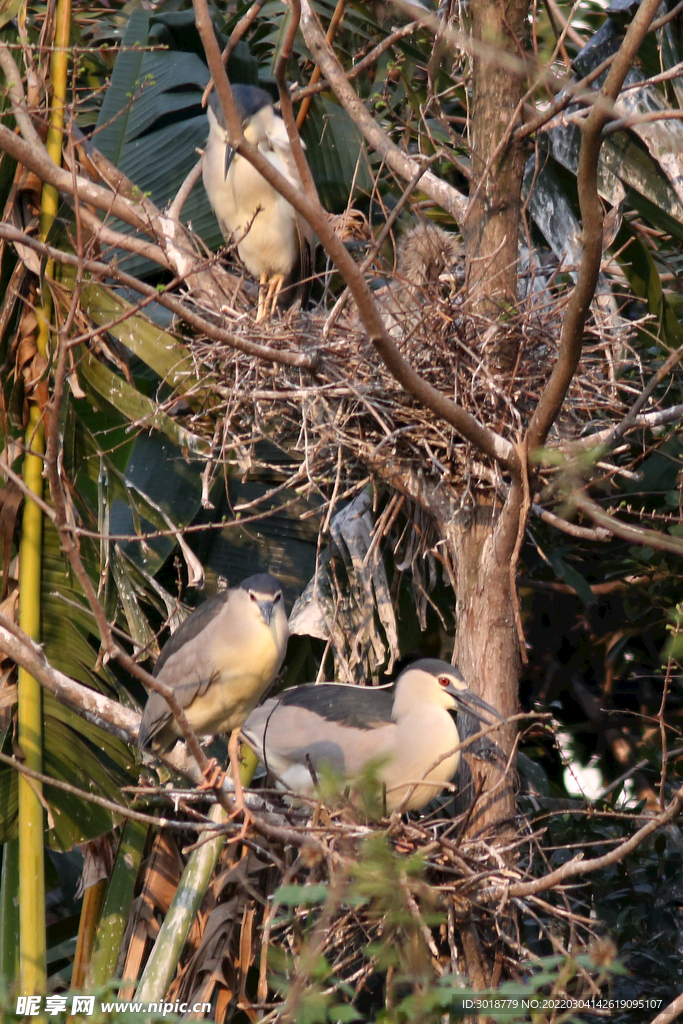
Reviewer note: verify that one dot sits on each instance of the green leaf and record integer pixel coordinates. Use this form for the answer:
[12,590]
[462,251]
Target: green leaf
[574,579]
[343,1012]
[336,154]
[134,406]
[643,276]
[115,113]
[9,10]
[301,895]
[161,351]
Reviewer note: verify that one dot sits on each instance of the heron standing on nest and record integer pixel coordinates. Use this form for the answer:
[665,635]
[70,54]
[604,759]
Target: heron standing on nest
[408,733]
[275,243]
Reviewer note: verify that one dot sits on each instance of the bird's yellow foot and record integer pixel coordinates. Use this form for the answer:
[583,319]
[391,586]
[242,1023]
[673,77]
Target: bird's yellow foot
[267,298]
[262,308]
[274,289]
[214,775]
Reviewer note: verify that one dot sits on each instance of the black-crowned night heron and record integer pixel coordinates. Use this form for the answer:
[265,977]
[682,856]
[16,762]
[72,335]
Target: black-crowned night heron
[219,663]
[427,254]
[411,300]
[348,728]
[273,241]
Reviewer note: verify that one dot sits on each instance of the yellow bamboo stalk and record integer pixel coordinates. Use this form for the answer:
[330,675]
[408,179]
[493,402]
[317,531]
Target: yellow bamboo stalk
[32,948]
[93,901]
[32,943]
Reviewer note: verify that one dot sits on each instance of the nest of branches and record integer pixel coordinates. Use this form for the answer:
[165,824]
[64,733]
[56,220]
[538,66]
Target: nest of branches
[495,369]
[345,914]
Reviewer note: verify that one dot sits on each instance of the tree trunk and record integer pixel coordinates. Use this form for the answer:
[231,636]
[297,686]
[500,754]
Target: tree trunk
[487,642]
[487,654]
[484,550]
[491,228]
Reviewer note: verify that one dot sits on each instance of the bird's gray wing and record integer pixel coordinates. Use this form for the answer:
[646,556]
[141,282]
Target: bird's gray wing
[356,707]
[157,714]
[344,727]
[193,625]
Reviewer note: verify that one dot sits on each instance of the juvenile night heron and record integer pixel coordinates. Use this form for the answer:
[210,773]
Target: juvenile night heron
[427,253]
[273,241]
[348,728]
[219,663]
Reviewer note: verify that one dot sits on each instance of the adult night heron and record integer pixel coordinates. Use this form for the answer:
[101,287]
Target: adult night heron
[219,663]
[273,241]
[348,728]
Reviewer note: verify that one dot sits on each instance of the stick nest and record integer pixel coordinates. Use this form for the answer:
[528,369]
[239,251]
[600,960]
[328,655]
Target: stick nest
[392,913]
[495,369]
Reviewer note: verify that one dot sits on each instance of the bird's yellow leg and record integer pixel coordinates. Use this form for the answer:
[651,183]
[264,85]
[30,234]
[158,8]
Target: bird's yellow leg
[213,775]
[274,289]
[262,309]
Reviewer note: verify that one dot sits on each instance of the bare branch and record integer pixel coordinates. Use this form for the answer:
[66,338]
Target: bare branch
[576,867]
[109,805]
[631,418]
[608,436]
[286,108]
[571,337]
[36,159]
[632,119]
[634,534]
[177,306]
[447,197]
[570,528]
[367,62]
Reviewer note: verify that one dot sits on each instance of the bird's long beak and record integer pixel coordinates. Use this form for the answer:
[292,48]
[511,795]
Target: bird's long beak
[468,701]
[266,608]
[229,154]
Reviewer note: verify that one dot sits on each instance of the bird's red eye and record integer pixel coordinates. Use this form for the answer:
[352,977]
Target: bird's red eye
[253,597]
[444,681]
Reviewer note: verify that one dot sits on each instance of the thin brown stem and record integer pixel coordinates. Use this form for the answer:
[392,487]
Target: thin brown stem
[571,337]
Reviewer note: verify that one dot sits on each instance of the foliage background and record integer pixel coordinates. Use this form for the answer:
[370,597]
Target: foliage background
[600,617]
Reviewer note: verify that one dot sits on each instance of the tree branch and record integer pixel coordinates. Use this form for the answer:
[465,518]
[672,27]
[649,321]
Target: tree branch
[447,197]
[35,158]
[177,306]
[486,440]
[571,337]
[633,534]
[570,528]
[577,866]
[121,809]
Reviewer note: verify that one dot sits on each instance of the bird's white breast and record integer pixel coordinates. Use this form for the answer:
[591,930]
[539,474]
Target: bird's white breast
[419,739]
[249,210]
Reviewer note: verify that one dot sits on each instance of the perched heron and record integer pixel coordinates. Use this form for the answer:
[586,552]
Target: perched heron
[273,241]
[348,728]
[219,663]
